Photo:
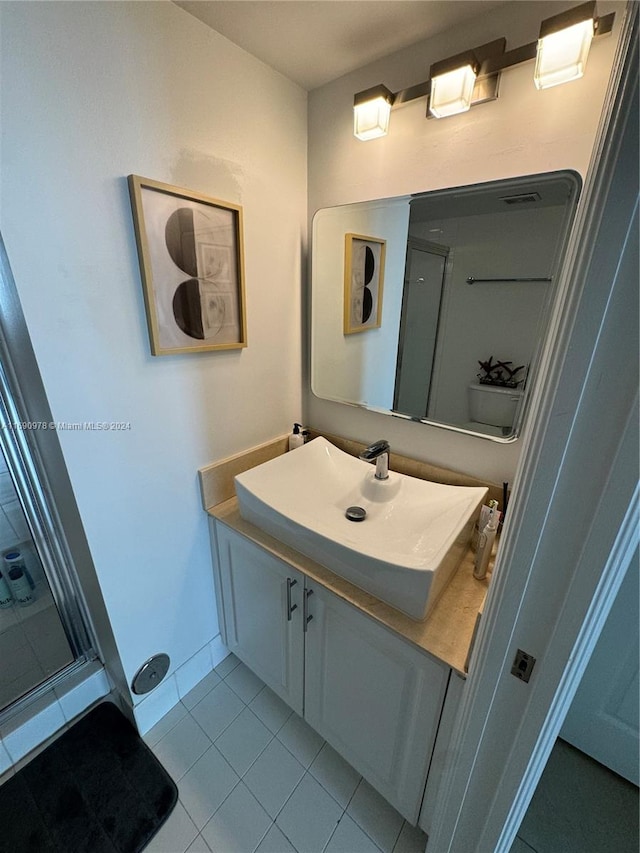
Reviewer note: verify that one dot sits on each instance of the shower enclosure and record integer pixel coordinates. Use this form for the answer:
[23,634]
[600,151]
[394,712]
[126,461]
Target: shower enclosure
[45,633]
[33,641]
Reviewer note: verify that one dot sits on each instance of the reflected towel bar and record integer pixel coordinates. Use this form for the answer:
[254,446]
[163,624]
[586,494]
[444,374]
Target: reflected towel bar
[472,280]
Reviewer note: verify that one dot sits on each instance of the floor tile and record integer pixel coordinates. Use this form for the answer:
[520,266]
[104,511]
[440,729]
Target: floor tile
[239,825]
[335,775]
[411,840]
[275,842]
[17,519]
[8,618]
[243,741]
[180,748]
[227,665]
[300,739]
[7,491]
[42,720]
[580,806]
[375,816]
[273,777]
[191,699]
[11,639]
[38,749]
[244,682]
[198,845]
[309,817]
[26,680]
[79,693]
[217,710]
[519,846]
[349,838]
[165,724]
[270,708]
[45,625]
[206,786]
[176,835]
[23,658]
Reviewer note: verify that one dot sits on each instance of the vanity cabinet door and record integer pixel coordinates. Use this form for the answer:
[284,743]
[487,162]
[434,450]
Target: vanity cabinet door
[441,752]
[374,697]
[262,613]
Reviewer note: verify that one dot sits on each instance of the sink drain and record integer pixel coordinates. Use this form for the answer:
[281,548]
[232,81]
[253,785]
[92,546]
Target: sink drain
[356,513]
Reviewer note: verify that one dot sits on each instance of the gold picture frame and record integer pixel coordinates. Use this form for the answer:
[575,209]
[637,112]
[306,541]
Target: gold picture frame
[364,259]
[191,254]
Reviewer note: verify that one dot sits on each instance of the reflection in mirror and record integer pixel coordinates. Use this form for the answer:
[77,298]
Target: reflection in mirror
[469,282]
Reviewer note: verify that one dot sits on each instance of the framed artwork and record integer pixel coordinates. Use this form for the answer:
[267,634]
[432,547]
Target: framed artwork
[363,281]
[190,249]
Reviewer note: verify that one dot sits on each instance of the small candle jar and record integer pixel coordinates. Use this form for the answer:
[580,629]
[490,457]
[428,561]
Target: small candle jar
[14,559]
[6,599]
[20,586]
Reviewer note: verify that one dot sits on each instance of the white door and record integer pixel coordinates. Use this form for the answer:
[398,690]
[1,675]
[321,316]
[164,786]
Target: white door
[262,604]
[573,526]
[603,718]
[375,698]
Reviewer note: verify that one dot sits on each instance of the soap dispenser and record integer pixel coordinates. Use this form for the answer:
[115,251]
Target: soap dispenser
[296,439]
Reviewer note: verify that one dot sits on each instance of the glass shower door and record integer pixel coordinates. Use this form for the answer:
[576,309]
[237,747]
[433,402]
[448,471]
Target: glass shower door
[421,296]
[46,636]
[33,641]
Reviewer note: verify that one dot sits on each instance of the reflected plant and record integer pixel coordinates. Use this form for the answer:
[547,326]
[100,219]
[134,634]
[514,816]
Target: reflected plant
[499,373]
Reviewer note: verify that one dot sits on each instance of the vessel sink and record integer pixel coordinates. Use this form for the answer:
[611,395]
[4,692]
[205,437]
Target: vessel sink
[406,549]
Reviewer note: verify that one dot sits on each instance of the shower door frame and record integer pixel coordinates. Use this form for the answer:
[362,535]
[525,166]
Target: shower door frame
[34,459]
[415,244]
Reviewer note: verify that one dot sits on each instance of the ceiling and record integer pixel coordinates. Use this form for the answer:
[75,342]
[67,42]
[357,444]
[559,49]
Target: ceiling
[314,41]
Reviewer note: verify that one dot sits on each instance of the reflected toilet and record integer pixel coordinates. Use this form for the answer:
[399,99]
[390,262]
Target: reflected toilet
[492,408]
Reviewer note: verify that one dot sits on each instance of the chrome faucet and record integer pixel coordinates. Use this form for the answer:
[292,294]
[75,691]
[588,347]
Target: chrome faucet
[378,452]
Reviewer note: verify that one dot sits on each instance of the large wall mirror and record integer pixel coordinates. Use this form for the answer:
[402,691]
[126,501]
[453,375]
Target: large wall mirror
[434,306]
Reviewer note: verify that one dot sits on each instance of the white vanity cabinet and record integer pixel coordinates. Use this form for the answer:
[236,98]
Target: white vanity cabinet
[376,698]
[260,613]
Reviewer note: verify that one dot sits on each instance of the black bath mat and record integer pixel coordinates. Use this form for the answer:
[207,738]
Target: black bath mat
[97,789]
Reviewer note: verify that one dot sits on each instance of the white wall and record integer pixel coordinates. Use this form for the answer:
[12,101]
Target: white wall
[91,93]
[358,368]
[525,131]
[499,320]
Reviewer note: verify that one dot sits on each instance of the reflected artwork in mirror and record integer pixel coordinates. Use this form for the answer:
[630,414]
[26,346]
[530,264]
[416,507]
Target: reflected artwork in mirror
[470,279]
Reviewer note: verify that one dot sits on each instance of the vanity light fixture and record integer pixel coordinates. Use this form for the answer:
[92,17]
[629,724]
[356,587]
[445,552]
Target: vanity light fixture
[452,84]
[563,46]
[472,77]
[371,111]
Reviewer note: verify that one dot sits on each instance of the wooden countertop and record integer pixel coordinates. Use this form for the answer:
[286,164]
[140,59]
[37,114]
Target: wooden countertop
[446,634]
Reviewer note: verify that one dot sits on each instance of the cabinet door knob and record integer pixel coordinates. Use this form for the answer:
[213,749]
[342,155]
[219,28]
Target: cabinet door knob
[291,582]
[306,615]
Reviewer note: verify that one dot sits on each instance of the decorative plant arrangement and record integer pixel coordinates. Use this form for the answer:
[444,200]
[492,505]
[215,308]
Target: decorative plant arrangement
[499,373]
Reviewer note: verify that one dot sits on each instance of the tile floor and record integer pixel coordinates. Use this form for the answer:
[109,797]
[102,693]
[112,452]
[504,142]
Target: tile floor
[579,806]
[253,776]
[33,645]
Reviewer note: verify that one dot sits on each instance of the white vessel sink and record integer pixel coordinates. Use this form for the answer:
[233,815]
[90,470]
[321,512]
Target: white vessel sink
[406,549]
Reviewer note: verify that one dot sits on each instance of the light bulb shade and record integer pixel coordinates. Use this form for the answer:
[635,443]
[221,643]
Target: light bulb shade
[451,92]
[563,46]
[452,84]
[371,112]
